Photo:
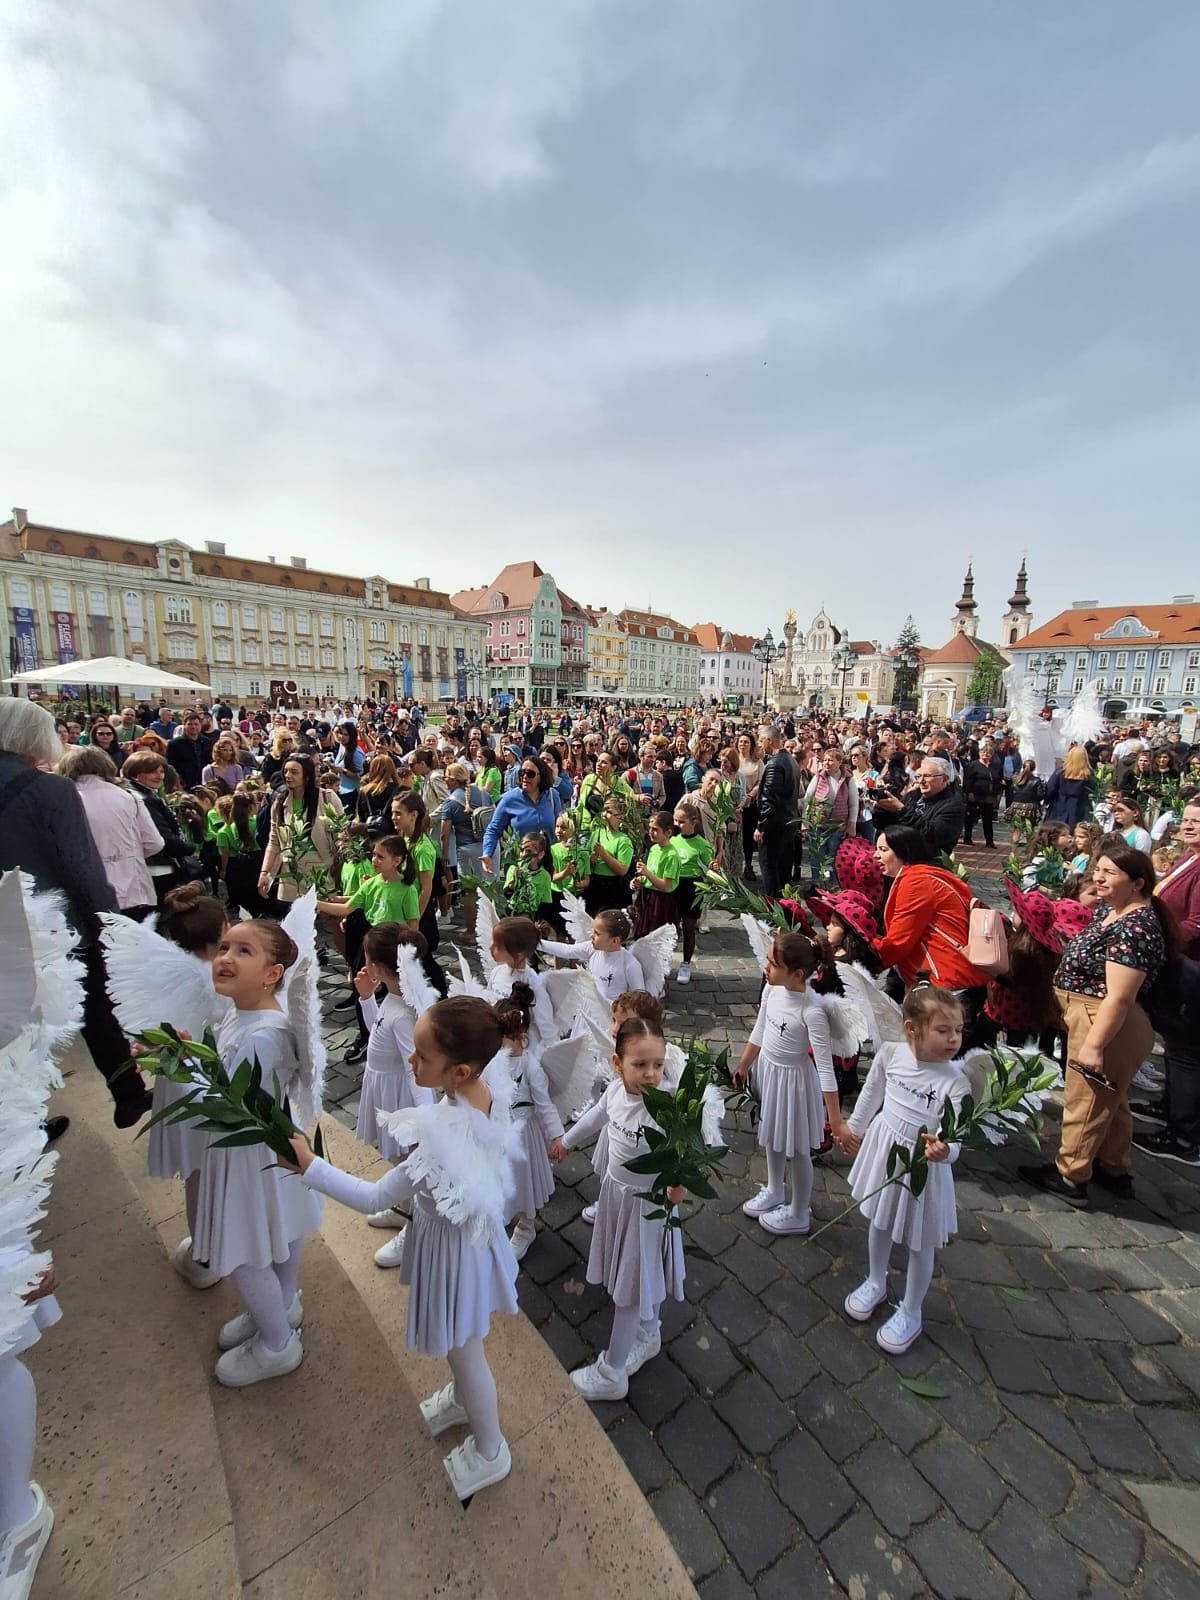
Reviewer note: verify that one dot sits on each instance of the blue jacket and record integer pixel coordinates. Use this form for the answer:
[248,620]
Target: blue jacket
[514,811]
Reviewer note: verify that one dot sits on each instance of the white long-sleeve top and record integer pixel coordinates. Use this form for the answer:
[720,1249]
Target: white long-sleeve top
[614,972]
[624,1113]
[390,1044]
[532,1099]
[909,1093]
[788,1026]
[500,984]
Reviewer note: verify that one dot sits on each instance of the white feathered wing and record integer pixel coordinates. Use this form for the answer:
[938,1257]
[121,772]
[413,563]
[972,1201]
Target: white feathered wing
[152,981]
[575,918]
[652,952]
[303,1006]
[760,937]
[878,1009]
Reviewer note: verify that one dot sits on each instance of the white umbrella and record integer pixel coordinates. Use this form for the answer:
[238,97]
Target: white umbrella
[118,671]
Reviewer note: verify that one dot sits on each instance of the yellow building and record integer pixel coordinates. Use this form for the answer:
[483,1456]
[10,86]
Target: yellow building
[251,629]
[607,641]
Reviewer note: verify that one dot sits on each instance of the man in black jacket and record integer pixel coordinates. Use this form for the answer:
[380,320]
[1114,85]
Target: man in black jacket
[778,817]
[190,752]
[44,831]
[936,808]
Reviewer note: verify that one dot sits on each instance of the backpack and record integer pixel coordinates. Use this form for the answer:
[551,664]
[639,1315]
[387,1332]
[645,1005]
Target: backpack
[987,940]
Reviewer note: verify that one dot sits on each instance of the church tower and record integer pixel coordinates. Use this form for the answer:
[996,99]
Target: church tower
[965,619]
[1017,620]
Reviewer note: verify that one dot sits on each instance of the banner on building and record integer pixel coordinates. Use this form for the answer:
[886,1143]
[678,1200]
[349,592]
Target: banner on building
[460,673]
[65,642]
[24,644]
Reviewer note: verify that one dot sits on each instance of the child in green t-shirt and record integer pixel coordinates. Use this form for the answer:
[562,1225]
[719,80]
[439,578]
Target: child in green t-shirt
[695,857]
[527,885]
[656,879]
[611,858]
[384,896]
[239,852]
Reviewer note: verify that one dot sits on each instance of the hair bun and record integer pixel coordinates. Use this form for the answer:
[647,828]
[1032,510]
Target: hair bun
[185,897]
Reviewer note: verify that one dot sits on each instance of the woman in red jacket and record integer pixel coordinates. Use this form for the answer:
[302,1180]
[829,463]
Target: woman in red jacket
[927,922]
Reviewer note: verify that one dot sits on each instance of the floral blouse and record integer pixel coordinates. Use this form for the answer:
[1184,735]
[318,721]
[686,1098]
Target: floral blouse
[1134,940]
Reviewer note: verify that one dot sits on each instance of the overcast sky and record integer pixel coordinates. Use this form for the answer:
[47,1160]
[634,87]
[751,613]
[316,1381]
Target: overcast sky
[723,307]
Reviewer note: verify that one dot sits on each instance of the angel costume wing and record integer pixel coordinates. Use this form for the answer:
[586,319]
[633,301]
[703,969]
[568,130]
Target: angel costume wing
[759,935]
[849,1028]
[578,923]
[485,926]
[468,983]
[59,997]
[152,981]
[415,988]
[1083,721]
[652,952]
[303,1006]
[571,1067]
[572,995]
[1021,698]
[879,1010]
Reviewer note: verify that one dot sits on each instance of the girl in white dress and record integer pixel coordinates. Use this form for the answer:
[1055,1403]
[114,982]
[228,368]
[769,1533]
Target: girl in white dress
[534,1113]
[796,1096]
[252,1216]
[514,945]
[387,1080]
[195,922]
[639,1262]
[613,969]
[904,1094]
[457,1263]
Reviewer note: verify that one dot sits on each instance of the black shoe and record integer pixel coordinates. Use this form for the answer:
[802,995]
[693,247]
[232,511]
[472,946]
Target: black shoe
[1169,1146]
[346,1005]
[1117,1183]
[1149,1110]
[357,1052]
[55,1127]
[132,1110]
[322,956]
[1052,1181]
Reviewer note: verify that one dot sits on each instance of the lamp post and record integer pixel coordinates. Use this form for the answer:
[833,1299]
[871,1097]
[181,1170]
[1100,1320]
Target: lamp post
[842,663]
[1050,667]
[766,652]
[906,667]
[393,662]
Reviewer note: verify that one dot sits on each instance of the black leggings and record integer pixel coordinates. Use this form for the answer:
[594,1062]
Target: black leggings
[984,812]
[749,823]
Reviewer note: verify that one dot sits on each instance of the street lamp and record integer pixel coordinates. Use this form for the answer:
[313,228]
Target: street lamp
[907,662]
[842,662]
[1050,666]
[766,652]
[393,663]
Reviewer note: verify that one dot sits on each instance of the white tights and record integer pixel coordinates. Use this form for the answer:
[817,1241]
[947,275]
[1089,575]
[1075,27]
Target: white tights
[475,1391]
[267,1294]
[627,1321]
[920,1269]
[18,1429]
[802,1179]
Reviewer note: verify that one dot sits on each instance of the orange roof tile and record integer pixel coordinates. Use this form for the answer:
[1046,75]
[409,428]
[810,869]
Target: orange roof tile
[1085,626]
[518,583]
[959,651]
[647,622]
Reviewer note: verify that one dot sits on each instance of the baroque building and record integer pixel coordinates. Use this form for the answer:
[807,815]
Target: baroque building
[822,668]
[250,629]
[536,637]
[662,658]
[729,672]
[947,673]
[1143,657]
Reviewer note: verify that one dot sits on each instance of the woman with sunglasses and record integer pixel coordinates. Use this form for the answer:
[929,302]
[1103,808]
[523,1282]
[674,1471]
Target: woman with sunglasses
[530,807]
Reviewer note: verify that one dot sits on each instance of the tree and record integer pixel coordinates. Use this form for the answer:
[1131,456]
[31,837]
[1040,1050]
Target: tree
[908,661]
[984,687]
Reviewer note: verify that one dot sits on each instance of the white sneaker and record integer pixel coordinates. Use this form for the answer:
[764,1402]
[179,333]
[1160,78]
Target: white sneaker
[442,1410]
[186,1265]
[765,1200]
[391,1218]
[589,1213]
[21,1549]
[238,1329]
[1148,1077]
[898,1332]
[252,1362]
[522,1237]
[391,1254]
[645,1347]
[469,1472]
[783,1220]
[862,1302]
[684,975]
[600,1381]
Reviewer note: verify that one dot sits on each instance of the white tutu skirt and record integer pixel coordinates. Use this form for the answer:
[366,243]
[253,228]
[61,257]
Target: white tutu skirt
[382,1091]
[639,1263]
[178,1150]
[792,1119]
[453,1286]
[930,1218]
[43,1314]
[533,1177]
[250,1212]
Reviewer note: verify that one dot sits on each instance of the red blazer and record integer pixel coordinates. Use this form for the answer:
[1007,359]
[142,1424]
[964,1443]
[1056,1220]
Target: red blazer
[926,916]
[1181,891]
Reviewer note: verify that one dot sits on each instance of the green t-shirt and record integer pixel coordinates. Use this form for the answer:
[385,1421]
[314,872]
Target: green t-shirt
[354,873]
[213,825]
[386,902]
[527,891]
[424,854]
[663,863]
[695,855]
[618,845]
[128,735]
[575,856]
[227,838]
[490,782]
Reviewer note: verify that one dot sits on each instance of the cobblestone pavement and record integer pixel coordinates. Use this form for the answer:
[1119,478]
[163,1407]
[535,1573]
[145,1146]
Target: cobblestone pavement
[786,1456]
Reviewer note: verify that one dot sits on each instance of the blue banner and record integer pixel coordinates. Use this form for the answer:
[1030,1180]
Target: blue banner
[406,675]
[460,673]
[24,640]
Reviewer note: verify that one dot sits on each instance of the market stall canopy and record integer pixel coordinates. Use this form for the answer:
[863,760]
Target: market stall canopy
[103,670]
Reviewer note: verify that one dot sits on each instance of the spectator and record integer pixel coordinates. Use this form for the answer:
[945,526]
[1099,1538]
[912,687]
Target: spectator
[979,793]
[1069,791]
[224,767]
[936,808]
[164,725]
[129,729]
[189,752]
[121,827]
[778,817]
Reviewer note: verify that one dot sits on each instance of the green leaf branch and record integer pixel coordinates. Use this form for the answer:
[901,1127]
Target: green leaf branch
[676,1154]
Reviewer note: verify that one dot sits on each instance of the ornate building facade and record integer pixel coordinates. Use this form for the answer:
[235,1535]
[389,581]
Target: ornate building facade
[249,629]
[607,644]
[1143,657]
[662,656]
[728,670]
[536,637]
[822,668]
[946,673]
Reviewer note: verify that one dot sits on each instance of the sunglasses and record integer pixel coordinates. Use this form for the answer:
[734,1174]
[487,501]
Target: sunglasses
[530,772]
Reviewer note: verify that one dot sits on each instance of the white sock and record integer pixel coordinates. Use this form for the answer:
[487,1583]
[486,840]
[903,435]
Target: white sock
[288,1273]
[802,1185]
[776,1172]
[259,1291]
[920,1276]
[649,1326]
[18,1431]
[475,1391]
[624,1331]
[879,1247]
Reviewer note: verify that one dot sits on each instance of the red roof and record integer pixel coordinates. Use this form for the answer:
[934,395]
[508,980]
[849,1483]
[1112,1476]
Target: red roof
[1085,625]
[518,585]
[709,637]
[960,651]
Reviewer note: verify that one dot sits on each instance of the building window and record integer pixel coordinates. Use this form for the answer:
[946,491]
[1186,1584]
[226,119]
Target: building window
[1122,659]
[178,609]
[1164,658]
[1136,685]
[303,622]
[1193,659]
[249,616]
[278,655]
[1118,685]
[1081,663]
[223,650]
[327,658]
[252,651]
[1189,686]
[276,616]
[504,626]
[179,649]
[1102,659]
[304,656]
[1078,685]
[1160,686]
[378,632]
[220,614]
[405,633]
[255,686]
[422,636]
[442,638]
[326,624]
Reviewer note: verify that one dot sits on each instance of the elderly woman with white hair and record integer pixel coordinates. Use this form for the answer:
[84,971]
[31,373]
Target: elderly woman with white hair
[44,831]
[121,827]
